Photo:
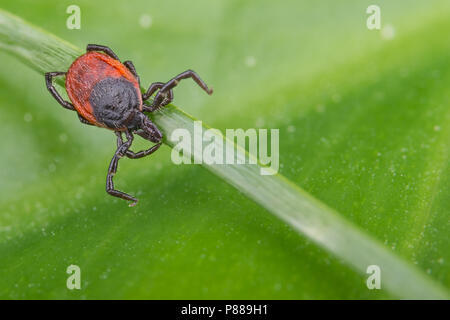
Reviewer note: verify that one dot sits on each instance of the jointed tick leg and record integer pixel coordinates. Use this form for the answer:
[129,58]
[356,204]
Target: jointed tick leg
[120,152]
[49,82]
[153,134]
[168,97]
[143,153]
[132,69]
[105,49]
[167,87]
[152,89]
[83,120]
[136,155]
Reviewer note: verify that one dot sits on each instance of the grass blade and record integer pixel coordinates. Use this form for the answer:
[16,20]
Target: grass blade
[44,52]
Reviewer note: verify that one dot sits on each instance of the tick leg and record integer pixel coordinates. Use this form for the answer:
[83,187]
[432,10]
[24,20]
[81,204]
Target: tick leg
[105,49]
[152,89]
[160,96]
[168,97]
[143,153]
[49,81]
[132,69]
[132,155]
[120,152]
[150,107]
[83,120]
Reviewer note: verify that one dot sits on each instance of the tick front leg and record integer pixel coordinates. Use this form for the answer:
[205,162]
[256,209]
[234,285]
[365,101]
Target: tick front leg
[137,155]
[112,170]
[130,154]
[174,82]
[49,82]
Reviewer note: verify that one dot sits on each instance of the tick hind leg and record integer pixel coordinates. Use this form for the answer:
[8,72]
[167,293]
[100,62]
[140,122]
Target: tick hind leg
[120,153]
[130,66]
[49,82]
[167,87]
[105,49]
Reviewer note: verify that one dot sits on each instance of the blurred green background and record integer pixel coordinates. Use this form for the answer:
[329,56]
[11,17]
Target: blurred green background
[363,118]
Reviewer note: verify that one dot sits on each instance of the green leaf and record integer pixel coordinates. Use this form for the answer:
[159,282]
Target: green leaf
[104,234]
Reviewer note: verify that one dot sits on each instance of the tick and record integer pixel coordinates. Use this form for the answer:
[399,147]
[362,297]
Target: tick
[106,93]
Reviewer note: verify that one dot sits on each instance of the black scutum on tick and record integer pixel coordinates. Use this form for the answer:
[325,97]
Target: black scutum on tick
[115,103]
